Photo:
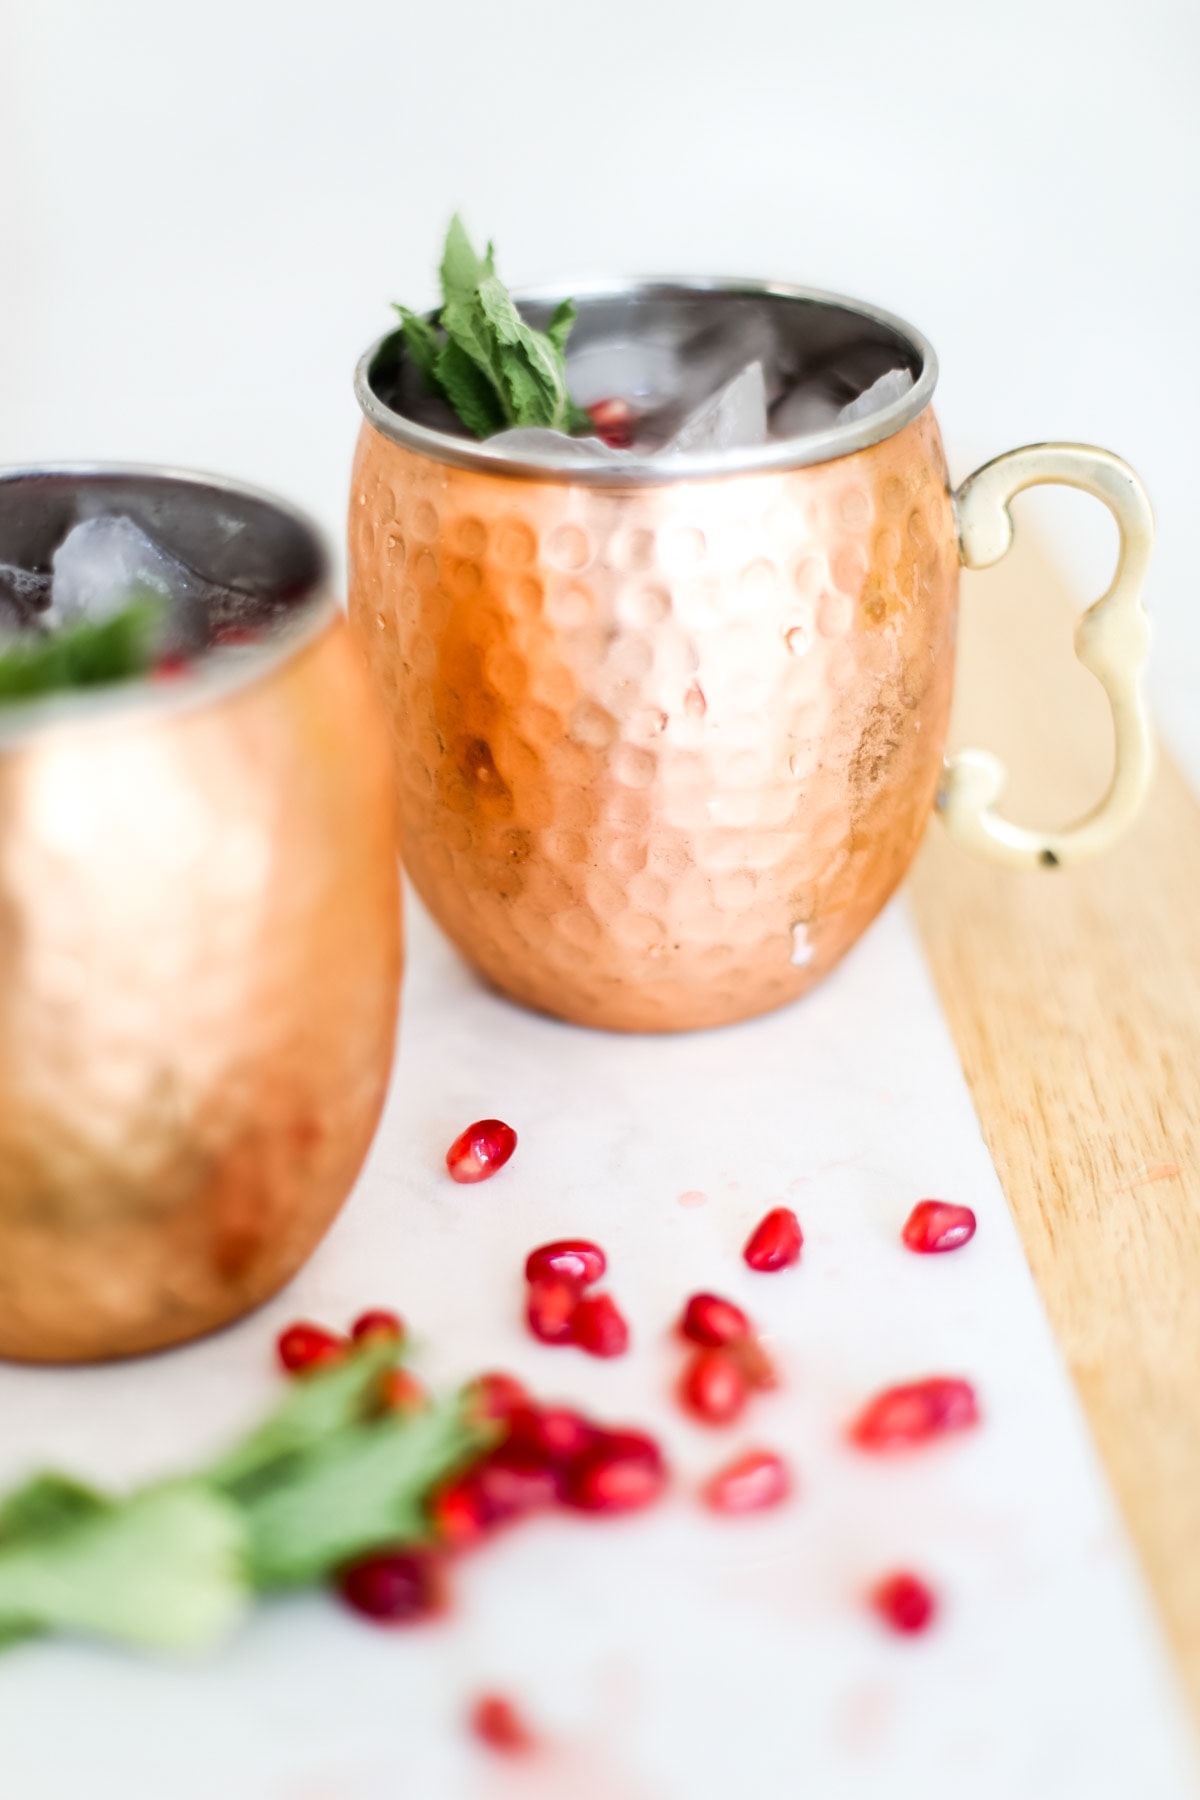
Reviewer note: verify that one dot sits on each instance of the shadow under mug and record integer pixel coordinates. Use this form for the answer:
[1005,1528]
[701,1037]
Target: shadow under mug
[199,942]
[667,739]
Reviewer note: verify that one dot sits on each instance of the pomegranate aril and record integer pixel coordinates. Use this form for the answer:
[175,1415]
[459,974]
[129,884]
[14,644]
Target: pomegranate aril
[936,1225]
[495,1395]
[170,666]
[915,1412]
[303,1347]
[401,1392]
[568,1259]
[554,1433]
[707,1319]
[713,1388]
[496,1722]
[550,1310]
[904,1603]
[379,1324]
[750,1483]
[461,1512]
[392,1587]
[514,1482]
[480,1150]
[598,1326]
[232,634]
[614,422]
[620,1471]
[775,1241]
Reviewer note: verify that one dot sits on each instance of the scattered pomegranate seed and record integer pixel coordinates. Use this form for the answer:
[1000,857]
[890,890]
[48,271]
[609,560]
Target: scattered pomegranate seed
[904,1603]
[915,1412]
[756,1366]
[619,1472]
[379,1323]
[233,634]
[750,1483]
[170,667]
[550,1310]
[570,1259]
[614,421]
[707,1319]
[496,1722]
[460,1511]
[401,1392]
[479,1151]
[713,1388]
[514,1482]
[393,1587]
[775,1241]
[304,1346]
[598,1326]
[935,1225]
[495,1396]
[554,1433]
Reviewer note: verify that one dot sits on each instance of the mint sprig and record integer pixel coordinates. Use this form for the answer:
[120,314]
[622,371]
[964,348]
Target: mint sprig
[86,653]
[331,1475]
[485,361]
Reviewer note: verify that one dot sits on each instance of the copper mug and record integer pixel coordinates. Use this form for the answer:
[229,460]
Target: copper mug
[199,942]
[667,738]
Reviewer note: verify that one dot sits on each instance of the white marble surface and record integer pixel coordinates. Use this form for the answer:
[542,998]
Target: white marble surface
[672,1657]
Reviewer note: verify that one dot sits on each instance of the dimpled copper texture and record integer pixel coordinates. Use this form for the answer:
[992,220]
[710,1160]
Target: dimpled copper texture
[663,751]
[199,967]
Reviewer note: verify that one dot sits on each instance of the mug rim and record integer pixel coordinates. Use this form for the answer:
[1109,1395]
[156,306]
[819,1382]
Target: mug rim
[788,453]
[203,682]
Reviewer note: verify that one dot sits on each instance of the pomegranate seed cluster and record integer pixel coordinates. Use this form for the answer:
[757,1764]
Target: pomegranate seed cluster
[726,1363]
[560,1311]
[541,1456]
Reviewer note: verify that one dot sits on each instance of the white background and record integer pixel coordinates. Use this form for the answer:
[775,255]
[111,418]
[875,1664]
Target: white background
[204,211]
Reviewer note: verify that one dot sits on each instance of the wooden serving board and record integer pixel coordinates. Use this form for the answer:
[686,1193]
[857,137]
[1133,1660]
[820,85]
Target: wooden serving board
[1074,1001]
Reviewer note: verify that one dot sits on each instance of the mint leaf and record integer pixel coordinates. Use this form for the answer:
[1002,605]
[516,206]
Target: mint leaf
[470,392]
[492,367]
[315,1409]
[365,1488]
[466,324]
[330,1475]
[88,653]
[422,343]
[48,1503]
[561,321]
[461,270]
[526,394]
[541,355]
[164,1570]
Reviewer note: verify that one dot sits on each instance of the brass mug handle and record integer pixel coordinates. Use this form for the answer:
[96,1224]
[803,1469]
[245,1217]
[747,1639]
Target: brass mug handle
[1112,640]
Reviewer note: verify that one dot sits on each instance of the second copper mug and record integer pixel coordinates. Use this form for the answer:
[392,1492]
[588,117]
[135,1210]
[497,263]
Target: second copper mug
[200,940]
[667,739]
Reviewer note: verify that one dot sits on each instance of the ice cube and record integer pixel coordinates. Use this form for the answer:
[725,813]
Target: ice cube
[808,407]
[538,443]
[103,560]
[889,388]
[734,418]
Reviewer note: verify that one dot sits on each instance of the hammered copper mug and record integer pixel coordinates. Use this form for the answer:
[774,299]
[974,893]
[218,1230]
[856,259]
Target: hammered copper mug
[199,941]
[667,737]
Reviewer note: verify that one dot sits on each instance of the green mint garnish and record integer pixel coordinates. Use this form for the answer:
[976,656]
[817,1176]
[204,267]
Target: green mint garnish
[87,653]
[329,1476]
[482,358]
